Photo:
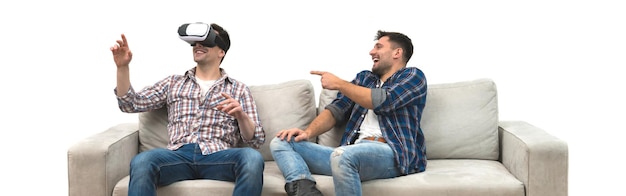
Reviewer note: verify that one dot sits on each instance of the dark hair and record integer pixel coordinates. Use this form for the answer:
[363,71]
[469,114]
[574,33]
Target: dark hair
[223,35]
[399,39]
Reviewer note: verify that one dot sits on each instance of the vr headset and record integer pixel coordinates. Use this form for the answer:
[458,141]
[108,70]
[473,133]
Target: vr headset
[201,32]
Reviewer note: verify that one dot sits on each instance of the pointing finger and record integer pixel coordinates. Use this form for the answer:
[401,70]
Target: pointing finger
[318,72]
[124,40]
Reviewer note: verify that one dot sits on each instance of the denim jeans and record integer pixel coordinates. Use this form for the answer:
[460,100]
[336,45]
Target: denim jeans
[349,165]
[160,167]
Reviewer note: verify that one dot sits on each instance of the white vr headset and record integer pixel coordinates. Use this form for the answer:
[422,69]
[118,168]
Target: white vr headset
[193,33]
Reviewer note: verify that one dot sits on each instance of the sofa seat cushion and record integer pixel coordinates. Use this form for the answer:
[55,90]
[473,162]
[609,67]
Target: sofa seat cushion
[468,177]
[442,177]
[273,184]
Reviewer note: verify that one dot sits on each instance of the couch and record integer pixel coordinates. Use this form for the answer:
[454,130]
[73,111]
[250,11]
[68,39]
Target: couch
[470,151]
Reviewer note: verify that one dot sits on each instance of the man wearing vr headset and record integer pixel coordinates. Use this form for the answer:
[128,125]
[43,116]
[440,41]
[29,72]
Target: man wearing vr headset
[382,109]
[209,113]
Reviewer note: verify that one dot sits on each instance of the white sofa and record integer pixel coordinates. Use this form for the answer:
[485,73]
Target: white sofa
[470,151]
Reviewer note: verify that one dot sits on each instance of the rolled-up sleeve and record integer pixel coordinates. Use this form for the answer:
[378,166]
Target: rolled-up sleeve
[149,98]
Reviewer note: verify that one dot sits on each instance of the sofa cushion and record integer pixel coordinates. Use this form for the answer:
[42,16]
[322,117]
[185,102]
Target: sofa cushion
[284,105]
[153,129]
[290,104]
[460,120]
[443,177]
[466,177]
[333,136]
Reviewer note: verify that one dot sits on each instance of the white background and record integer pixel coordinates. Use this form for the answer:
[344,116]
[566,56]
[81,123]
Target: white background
[557,65]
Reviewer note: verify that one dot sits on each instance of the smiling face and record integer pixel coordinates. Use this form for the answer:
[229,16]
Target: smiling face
[205,55]
[383,56]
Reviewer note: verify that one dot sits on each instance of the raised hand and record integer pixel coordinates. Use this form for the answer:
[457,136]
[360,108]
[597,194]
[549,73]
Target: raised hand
[329,80]
[121,53]
[231,106]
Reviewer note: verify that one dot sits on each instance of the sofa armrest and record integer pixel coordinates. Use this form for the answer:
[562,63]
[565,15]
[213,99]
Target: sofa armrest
[535,157]
[97,163]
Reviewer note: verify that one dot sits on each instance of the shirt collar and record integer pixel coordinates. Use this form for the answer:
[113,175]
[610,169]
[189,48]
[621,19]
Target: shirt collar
[191,73]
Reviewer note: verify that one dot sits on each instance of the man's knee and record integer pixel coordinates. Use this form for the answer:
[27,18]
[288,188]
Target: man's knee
[251,162]
[337,152]
[339,156]
[278,144]
[250,154]
[144,158]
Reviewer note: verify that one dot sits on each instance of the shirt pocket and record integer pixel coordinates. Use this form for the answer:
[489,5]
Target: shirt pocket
[184,107]
[214,100]
[218,116]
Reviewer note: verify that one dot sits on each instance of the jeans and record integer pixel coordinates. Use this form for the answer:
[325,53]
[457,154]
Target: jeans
[349,165]
[161,167]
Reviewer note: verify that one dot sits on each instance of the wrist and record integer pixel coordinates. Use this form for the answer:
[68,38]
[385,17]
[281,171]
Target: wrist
[122,68]
[241,116]
[309,133]
[343,85]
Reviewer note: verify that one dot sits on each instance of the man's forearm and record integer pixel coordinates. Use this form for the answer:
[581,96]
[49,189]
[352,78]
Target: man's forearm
[246,127]
[322,123]
[123,81]
[358,94]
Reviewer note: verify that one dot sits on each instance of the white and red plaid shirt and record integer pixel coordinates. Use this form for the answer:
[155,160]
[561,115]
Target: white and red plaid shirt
[192,117]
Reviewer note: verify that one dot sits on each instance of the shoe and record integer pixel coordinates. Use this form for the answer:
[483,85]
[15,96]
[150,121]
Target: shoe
[302,187]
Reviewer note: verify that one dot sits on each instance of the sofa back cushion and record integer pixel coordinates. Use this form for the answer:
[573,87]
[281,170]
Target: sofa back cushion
[153,129]
[460,120]
[290,104]
[284,105]
[333,136]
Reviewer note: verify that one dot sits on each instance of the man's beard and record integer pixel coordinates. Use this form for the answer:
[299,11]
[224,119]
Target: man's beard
[381,69]
[200,60]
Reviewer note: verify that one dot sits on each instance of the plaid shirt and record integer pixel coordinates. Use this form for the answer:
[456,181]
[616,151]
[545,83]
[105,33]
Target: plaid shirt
[192,117]
[399,115]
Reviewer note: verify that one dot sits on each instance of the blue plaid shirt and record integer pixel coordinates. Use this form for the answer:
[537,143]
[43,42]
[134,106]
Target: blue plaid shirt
[399,115]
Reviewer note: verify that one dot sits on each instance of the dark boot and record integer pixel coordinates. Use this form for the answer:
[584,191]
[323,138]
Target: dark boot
[302,187]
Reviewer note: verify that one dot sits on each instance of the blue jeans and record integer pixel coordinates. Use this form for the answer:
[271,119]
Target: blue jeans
[161,167]
[349,165]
